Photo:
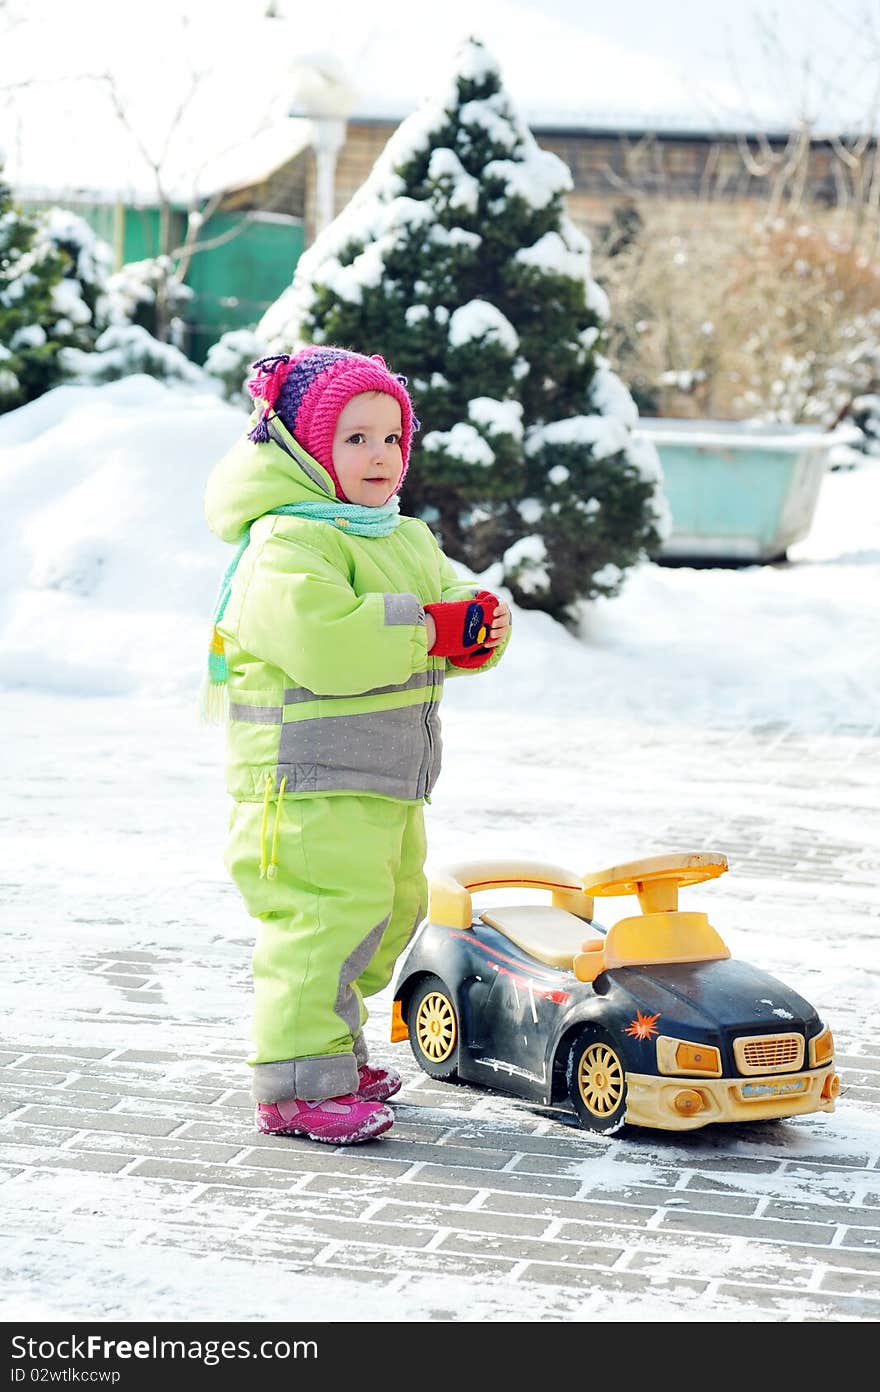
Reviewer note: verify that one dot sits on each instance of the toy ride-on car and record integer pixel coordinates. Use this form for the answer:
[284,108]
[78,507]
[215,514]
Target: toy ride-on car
[647,1023]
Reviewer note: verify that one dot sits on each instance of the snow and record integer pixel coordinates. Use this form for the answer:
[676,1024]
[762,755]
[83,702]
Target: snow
[348,282]
[535,179]
[480,319]
[604,434]
[645,730]
[452,236]
[526,559]
[497,417]
[608,393]
[80,461]
[227,354]
[464,190]
[255,159]
[101,487]
[550,255]
[463,442]
[28,336]
[128,348]
[67,299]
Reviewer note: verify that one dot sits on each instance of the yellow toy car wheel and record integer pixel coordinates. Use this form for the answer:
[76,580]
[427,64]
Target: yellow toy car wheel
[597,1082]
[432,1021]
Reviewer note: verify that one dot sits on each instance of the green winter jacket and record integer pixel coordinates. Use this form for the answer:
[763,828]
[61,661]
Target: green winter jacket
[331,688]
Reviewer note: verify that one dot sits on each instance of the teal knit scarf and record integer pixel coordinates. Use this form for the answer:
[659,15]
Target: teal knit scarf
[348,517]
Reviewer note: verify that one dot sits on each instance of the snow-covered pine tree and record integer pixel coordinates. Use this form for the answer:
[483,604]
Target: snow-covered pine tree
[32,305]
[229,364]
[65,316]
[125,349]
[457,262]
[149,295]
[88,268]
[130,312]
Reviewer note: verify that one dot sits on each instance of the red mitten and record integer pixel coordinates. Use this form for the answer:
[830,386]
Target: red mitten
[463,627]
[472,659]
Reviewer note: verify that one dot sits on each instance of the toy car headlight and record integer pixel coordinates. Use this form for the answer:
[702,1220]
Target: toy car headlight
[680,1056]
[821,1048]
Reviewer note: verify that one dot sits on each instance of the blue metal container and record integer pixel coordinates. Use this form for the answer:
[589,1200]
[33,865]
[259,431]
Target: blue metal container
[738,491]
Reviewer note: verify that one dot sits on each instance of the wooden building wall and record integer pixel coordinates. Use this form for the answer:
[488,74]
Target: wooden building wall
[609,168]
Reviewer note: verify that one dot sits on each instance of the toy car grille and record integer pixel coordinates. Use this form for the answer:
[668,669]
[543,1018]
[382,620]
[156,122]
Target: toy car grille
[769,1053]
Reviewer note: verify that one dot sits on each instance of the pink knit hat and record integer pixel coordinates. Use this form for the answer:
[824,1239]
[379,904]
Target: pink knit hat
[308,390]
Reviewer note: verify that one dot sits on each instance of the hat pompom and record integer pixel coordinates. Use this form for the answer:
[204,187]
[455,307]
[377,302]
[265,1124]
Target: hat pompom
[271,374]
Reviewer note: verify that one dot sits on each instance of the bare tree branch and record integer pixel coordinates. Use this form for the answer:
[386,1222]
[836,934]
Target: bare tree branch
[121,111]
[758,170]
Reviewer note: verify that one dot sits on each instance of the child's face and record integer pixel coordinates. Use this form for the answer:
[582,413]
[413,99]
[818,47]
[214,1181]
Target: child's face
[366,448]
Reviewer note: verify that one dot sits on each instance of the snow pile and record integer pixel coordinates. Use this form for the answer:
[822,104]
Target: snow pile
[109,575]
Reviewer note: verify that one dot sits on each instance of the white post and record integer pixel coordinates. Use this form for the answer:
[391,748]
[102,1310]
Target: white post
[328,134]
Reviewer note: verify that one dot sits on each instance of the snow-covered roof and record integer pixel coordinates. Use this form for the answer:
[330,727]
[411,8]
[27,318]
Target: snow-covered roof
[245,163]
[255,159]
[229,72]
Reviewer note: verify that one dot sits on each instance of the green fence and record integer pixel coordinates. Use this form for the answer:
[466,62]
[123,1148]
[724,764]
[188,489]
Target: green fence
[247,259]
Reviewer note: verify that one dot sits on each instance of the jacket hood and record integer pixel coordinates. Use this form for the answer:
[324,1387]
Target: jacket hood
[252,479]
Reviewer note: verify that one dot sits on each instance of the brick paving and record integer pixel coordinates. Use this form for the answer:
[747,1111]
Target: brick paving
[109,1143]
[502,1198]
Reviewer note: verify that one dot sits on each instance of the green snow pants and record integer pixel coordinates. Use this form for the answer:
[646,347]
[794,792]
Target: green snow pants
[338,901]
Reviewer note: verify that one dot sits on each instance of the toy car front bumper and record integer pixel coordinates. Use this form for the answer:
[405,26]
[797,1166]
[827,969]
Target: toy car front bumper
[681,1104]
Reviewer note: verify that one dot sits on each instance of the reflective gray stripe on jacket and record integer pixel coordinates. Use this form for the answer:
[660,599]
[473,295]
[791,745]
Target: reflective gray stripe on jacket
[395,752]
[274,715]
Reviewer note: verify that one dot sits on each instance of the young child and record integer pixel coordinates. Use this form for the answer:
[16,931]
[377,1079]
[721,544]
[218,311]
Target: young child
[337,622]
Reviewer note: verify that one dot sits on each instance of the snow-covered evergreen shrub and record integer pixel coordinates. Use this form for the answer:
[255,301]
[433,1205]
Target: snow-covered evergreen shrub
[42,306]
[589,484]
[65,315]
[90,266]
[149,294]
[229,363]
[125,349]
[457,262]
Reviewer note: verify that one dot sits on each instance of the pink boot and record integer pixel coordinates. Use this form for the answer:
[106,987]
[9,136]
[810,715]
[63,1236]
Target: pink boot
[377,1084]
[342,1120]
